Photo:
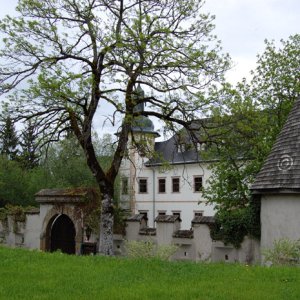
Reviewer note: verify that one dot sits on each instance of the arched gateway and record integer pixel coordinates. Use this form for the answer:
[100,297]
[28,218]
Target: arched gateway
[62,214]
[62,235]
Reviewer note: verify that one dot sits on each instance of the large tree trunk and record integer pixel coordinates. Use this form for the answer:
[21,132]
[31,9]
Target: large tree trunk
[106,225]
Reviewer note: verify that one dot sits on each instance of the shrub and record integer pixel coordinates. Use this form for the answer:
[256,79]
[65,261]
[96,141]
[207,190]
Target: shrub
[147,249]
[285,252]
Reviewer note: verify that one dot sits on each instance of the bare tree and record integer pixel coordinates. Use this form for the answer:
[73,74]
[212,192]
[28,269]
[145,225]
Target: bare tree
[79,55]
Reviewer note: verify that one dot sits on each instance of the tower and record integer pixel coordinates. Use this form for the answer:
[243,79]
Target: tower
[141,142]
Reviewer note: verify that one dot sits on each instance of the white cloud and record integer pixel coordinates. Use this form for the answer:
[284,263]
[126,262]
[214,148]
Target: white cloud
[243,25]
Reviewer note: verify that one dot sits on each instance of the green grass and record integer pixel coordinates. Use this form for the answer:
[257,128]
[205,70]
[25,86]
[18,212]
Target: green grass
[36,275]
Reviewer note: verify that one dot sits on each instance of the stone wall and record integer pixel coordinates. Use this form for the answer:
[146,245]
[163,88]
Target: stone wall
[24,234]
[194,244]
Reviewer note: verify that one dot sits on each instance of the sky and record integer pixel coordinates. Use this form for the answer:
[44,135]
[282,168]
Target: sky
[242,26]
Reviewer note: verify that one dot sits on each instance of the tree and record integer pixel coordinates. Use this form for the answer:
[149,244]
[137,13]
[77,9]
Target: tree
[9,139]
[29,155]
[13,183]
[249,121]
[275,84]
[65,165]
[79,56]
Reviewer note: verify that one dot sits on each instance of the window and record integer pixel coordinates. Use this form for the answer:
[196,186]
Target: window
[161,185]
[143,185]
[144,213]
[197,183]
[145,219]
[201,146]
[175,184]
[124,186]
[162,213]
[176,213]
[181,148]
[198,213]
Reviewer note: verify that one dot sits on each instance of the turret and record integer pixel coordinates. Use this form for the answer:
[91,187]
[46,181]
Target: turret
[141,144]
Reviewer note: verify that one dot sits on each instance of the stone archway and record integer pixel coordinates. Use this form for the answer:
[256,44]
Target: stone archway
[50,219]
[62,234]
[62,209]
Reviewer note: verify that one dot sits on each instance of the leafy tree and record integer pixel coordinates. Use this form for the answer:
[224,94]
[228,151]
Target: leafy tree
[12,183]
[65,165]
[248,123]
[81,56]
[106,146]
[9,139]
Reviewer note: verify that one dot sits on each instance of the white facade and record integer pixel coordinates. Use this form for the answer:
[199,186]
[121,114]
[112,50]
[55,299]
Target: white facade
[154,200]
[279,218]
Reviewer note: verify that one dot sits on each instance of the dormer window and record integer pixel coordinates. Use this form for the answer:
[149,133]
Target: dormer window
[181,148]
[201,147]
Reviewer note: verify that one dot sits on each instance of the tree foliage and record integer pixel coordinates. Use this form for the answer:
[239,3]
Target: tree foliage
[30,153]
[63,166]
[248,123]
[79,56]
[8,139]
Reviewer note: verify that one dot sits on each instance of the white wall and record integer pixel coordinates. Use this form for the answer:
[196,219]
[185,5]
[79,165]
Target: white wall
[32,231]
[187,202]
[203,242]
[279,218]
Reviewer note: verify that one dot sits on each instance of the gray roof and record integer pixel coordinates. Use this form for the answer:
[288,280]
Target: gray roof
[147,231]
[75,195]
[167,218]
[168,151]
[203,220]
[184,234]
[136,218]
[281,170]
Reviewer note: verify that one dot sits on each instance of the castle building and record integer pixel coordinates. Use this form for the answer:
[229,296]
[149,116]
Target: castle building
[164,178]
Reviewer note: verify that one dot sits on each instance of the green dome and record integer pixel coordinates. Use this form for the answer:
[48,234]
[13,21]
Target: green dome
[142,124]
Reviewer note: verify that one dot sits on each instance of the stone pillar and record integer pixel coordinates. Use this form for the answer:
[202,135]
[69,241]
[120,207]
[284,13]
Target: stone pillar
[202,241]
[133,226]
[166,226]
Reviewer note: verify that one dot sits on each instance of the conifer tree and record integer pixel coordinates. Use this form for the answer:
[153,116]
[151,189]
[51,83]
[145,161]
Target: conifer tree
[8,139]
[29,146]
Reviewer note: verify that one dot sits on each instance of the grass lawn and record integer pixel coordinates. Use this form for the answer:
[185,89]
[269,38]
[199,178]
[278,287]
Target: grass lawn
[35,275]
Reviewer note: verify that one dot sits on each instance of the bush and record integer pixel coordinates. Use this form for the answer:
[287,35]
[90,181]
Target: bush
[285,252]
[147,249]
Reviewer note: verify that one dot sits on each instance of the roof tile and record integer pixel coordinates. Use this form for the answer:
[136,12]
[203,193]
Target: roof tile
[281,170]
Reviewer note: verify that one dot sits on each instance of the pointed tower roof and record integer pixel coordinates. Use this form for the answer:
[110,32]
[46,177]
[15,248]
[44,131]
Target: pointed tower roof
[281,170]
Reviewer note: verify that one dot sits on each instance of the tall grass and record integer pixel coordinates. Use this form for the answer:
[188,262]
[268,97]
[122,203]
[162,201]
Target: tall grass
[36,275]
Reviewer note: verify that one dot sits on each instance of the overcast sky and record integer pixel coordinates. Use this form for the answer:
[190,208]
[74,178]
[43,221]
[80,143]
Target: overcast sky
[241,25]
